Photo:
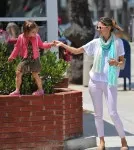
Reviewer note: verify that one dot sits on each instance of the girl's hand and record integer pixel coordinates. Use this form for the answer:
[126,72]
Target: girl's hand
[10,59]
[113,62]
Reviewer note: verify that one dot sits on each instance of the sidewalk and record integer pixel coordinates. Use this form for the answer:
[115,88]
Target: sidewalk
[125,110]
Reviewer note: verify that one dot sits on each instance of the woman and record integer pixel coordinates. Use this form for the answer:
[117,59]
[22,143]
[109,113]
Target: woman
[108,54]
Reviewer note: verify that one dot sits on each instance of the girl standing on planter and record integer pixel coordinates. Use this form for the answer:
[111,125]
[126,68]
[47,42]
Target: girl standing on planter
[108,52]
[27,46]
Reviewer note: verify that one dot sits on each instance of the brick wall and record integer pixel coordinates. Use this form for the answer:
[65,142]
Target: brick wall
[40,122]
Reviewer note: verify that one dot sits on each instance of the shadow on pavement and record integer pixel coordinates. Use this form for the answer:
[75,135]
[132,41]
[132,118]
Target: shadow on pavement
[118,148]
[132,85]
[89,128]
[121,86]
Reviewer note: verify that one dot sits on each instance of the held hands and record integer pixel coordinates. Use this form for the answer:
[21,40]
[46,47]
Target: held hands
[52,43]
[113,62]
[58,43]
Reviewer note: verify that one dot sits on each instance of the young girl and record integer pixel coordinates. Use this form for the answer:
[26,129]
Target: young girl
[27,46]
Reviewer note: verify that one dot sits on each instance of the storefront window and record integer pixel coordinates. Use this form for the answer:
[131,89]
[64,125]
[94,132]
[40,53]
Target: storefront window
[43,12]
[22,8]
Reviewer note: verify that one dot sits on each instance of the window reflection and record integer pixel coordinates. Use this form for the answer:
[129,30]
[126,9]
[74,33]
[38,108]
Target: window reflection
[13,29]
[22,8]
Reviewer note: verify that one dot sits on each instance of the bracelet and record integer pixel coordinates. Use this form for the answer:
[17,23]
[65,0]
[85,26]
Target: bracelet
[117,64]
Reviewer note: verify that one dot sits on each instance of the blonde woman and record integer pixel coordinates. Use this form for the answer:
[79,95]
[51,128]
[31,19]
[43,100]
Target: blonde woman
[108,52]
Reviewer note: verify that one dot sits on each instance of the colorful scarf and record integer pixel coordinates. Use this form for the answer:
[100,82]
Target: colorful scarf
[98,63]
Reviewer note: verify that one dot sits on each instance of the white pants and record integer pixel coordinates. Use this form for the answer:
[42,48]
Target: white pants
[96,90]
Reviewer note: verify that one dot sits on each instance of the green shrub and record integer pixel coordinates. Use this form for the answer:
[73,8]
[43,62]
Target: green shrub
[7,71]
[52,72]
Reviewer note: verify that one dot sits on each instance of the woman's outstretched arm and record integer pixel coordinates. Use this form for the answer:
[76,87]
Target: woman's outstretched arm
[69,48]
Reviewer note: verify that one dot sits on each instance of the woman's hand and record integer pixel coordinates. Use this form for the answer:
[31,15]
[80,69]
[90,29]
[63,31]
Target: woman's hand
[113,62]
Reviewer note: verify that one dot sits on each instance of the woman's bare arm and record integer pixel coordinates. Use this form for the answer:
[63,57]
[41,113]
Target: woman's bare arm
[69,48]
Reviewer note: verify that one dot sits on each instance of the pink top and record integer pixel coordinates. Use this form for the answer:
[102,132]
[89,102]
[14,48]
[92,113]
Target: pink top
[20,47]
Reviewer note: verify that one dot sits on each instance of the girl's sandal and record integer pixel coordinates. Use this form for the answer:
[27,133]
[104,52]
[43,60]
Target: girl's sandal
[15,93]
[38,92]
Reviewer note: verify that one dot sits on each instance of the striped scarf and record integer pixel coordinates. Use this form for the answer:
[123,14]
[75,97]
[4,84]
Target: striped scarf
[98,63]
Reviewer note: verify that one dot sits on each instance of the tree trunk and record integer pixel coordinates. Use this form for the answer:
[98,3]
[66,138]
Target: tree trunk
[125,15]
[79,33]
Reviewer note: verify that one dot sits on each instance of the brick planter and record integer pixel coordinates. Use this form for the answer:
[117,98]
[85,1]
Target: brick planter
[63,84]
[40,122]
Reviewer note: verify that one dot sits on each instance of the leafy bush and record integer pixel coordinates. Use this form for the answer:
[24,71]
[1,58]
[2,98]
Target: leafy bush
[7,71]
[52,72]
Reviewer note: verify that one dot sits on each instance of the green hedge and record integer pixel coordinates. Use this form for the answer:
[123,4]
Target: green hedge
[52,72]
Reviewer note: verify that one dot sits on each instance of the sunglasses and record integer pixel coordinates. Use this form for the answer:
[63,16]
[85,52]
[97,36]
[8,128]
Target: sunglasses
[100,27]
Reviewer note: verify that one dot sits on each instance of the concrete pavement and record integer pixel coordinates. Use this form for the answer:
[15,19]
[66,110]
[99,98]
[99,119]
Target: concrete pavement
[125,110]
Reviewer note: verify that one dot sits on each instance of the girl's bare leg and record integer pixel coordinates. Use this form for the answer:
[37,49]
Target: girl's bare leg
[18,80]
[37,80]
[18,83]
